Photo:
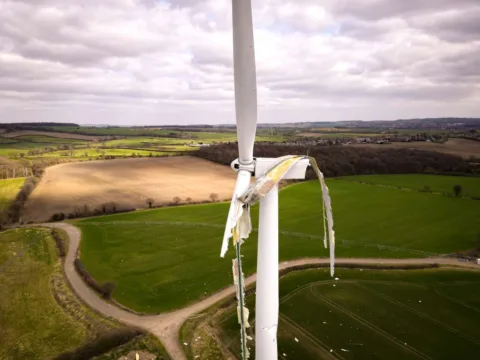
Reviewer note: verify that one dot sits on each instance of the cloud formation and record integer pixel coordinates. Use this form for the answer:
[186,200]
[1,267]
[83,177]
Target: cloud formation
[170,62]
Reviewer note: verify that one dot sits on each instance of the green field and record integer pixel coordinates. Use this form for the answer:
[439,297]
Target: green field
[441,184]
[175,134]
[372,314]
[33,326]
[166,258]
[9,188]
[92,153]
[40,139]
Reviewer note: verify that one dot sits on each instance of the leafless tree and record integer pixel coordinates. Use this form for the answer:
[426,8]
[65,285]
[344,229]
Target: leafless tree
[214,197]
[150,202]
[176,200]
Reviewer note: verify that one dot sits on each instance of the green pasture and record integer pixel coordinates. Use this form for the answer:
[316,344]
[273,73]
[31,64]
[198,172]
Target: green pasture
[9,188]
[372,314]
[33,326]
[41,139]
[166,258]
[439,184]
[93,153]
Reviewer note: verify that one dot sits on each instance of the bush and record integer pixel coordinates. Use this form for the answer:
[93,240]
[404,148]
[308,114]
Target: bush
[57,217]
[426,188]
[457,190]
[62,251]
[14,211]
[102,344]
[105,290]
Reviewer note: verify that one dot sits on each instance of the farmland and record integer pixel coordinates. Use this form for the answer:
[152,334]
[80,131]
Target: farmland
[8,190]
[54,144]
[369,314]
[173,253]
[73,187]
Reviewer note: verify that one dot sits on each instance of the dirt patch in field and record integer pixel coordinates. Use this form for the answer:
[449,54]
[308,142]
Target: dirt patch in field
[18,133]
[128,183]
[459,147]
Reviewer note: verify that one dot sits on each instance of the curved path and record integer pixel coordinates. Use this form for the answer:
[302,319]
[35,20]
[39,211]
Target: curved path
[166,326]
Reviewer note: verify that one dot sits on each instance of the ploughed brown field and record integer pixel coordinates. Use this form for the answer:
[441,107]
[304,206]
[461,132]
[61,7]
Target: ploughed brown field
[127,183]
[459,147]
[18,133]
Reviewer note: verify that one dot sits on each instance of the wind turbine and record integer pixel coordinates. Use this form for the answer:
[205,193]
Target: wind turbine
[268,172]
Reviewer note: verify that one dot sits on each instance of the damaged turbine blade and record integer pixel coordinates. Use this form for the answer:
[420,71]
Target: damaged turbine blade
[239,224]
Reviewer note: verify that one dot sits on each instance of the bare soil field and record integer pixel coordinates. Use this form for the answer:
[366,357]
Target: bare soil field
[128,183]
[459,147]
[18,133]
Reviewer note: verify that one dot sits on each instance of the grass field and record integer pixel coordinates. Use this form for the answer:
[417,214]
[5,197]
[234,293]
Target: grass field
[371,314]
[165,258]
[93,153]
[206,136]
[33,326]
[41,139]
[9,188]
[440,184]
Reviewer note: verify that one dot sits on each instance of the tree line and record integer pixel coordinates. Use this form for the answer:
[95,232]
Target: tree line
[344,160]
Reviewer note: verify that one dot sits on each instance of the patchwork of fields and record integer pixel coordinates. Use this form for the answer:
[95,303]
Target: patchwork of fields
[371,314]
[173,253]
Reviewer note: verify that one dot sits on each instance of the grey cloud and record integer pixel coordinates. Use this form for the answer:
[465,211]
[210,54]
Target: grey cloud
[131,59]
[460,25]
[379,9]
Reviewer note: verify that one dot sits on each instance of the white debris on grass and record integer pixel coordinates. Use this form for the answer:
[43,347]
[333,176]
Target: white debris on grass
[296,340]
[345,350]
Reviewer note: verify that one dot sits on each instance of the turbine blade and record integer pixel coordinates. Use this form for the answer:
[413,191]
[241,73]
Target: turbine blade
[245,79]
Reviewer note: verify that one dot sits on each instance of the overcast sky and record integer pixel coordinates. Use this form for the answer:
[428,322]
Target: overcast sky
[142,62]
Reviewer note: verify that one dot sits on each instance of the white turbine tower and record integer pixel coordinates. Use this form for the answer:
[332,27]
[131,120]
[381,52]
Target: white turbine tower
[268,172]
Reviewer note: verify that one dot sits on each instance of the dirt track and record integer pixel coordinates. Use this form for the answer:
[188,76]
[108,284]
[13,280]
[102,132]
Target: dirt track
[167,325]
[127,183]
[459,147]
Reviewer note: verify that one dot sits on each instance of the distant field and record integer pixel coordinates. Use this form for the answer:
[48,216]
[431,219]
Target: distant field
[86,153]
[336,134]
[441,184]
[9,188]
[459,147]
[50,139]
[415,314]
[173,253]
[206,136]
[33,325]
[128,183]
[18,133]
